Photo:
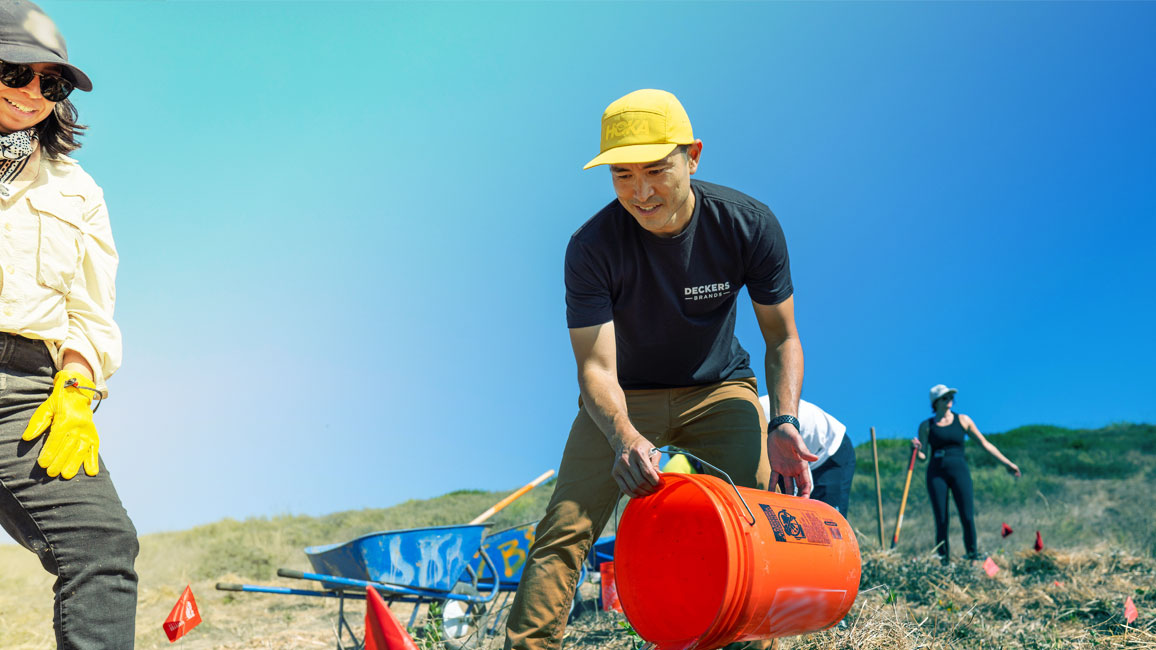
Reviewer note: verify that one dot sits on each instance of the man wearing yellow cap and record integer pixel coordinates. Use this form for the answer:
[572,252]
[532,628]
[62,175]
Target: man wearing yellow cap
[651,288]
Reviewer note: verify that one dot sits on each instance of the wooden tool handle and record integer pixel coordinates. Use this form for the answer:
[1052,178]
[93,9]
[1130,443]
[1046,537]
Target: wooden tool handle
[510,499]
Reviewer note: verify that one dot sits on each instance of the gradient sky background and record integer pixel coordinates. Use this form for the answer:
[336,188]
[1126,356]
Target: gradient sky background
[341,225]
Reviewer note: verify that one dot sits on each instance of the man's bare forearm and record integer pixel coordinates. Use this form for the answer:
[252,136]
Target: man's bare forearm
[605,402]
[784,368]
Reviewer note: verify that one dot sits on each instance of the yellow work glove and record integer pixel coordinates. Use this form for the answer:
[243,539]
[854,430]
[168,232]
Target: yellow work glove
[72,440]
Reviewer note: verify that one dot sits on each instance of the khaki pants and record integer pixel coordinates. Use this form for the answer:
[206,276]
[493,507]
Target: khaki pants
[721,423]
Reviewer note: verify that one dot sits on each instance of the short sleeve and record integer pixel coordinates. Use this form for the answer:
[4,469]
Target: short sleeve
[588,299]
[768,264]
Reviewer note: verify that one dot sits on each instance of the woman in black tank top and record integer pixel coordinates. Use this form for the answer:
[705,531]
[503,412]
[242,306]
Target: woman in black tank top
[947,471]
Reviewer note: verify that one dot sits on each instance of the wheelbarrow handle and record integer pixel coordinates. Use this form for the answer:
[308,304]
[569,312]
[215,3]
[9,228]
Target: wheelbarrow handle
[262,589]
[392,588]
[353,582]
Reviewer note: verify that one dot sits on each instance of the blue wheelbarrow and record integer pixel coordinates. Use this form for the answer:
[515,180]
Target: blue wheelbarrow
[423,566]
[455,571]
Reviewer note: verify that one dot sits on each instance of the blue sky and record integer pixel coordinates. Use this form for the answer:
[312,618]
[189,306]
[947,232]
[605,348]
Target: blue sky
[341,225]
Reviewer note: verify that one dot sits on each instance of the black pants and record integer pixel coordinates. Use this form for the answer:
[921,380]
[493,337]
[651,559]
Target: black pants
[832,479]
[948,471]
[78,528]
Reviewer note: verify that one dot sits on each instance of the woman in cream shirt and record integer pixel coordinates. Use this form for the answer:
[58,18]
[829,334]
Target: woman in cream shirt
[58,342]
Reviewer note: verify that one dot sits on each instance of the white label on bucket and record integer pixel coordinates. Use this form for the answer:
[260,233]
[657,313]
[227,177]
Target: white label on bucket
[798,610]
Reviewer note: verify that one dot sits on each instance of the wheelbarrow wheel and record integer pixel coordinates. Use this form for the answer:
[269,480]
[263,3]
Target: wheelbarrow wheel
[499,611]
[462,624]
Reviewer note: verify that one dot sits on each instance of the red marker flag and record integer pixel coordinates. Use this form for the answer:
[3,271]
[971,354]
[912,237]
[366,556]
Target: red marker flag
[184,616]
[1130,612]
[382,629]
[1039,545]
[1005,530]
[991,567]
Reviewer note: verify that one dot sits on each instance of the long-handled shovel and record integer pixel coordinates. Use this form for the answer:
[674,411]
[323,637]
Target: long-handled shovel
[903,503]
[510,499]
[878,490]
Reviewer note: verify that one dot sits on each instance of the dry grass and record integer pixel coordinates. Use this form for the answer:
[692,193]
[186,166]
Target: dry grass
[239,552]
[907,599]
[25,615]
[905,603]
[909,603]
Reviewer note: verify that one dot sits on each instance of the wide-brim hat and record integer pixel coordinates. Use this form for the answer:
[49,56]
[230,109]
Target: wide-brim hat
[939,390]
[28,35]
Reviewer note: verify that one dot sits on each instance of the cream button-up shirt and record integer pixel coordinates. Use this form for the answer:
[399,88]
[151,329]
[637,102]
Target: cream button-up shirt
[58,264]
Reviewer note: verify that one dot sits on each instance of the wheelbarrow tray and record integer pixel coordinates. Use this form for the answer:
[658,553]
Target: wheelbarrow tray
[507,550]
[431,559]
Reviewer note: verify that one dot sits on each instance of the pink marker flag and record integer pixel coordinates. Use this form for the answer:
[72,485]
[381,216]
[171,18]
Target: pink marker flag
[990,567]
[1005,530]
[1130,612]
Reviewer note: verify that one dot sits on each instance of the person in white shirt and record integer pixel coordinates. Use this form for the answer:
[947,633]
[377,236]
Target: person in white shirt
[827,438]
[58,342]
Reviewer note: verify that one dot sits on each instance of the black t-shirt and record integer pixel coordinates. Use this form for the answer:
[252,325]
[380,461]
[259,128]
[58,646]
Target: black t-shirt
[672,300]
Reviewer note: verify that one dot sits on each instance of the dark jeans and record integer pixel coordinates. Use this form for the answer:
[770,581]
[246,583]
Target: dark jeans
[78,528]
[948,471]
[832,479]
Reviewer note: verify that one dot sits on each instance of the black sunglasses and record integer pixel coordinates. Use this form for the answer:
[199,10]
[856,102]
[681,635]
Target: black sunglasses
[54,88]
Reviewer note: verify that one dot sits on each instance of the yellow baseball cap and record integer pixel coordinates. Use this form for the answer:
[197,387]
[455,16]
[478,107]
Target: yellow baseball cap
[642,127]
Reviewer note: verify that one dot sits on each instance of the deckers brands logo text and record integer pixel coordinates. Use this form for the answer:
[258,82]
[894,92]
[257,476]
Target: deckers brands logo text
[706,291]
[624,128]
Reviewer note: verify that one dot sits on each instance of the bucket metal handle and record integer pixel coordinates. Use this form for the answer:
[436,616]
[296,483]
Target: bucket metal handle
[672,450]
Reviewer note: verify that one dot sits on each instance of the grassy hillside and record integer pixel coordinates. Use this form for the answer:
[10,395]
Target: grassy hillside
[1088,492]
[1080,488]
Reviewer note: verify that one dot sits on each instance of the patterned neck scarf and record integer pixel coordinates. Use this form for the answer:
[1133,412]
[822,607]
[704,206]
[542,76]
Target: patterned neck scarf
[19,162]
[18,145]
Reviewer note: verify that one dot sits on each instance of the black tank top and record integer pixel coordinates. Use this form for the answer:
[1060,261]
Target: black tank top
[948,438]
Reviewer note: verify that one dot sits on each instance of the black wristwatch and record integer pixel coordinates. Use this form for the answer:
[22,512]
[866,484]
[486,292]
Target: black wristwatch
[780,419]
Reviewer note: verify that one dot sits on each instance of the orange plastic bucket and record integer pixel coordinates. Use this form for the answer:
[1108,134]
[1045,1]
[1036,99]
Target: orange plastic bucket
[694,570]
